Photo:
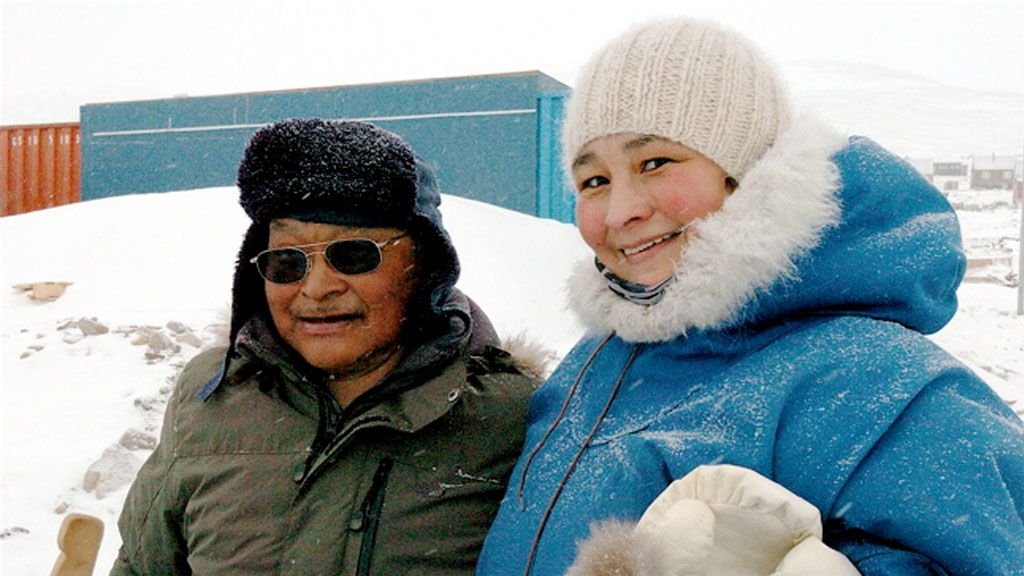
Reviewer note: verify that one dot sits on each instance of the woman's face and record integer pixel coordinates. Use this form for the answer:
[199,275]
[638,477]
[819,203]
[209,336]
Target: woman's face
[637,193]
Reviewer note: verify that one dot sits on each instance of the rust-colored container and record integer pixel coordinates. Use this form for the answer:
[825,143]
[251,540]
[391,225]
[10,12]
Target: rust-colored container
[40,167]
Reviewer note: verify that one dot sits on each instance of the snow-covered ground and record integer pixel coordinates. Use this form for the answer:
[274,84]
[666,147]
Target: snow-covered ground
[89,373]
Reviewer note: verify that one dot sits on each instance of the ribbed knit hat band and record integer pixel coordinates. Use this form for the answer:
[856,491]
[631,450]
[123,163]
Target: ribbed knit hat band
[689,81]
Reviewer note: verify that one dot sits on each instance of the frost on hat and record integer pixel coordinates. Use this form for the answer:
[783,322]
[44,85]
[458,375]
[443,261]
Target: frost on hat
[685,80]
[337,172]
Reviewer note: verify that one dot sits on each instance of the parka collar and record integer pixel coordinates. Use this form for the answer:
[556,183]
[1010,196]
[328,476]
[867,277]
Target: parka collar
[419,406]
[423,387]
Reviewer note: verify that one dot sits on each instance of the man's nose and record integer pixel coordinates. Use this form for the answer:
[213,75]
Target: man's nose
[322,279]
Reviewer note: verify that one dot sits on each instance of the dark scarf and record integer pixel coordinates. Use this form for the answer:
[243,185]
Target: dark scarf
[636,293]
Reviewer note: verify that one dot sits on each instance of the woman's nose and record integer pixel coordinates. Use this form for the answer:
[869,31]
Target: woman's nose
[626,205]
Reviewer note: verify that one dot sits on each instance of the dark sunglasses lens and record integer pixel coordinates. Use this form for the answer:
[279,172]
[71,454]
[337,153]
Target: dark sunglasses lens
[283,266]
[353,256]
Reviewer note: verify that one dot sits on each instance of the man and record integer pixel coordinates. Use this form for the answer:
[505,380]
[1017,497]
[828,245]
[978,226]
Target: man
[362,419]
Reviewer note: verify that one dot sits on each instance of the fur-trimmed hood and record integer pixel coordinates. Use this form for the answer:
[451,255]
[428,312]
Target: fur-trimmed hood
[818,225]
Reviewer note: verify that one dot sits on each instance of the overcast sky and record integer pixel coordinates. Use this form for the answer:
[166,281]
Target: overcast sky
[57,56]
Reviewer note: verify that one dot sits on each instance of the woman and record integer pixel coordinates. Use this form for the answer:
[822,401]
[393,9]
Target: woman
[758,301]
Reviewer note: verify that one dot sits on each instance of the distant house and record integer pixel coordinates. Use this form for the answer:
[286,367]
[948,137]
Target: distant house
[947,175]
[950,175]
[993,172]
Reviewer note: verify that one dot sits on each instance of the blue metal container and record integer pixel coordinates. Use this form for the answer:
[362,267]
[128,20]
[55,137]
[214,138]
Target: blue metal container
[490,138]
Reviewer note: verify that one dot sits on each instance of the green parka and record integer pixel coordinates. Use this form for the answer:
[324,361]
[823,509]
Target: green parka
[259,471]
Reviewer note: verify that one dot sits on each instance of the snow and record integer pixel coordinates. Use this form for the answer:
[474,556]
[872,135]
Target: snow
[155,271]
[910,115]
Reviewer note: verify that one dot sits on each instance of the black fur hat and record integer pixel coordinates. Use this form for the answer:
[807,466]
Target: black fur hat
[335,172]
[347,173]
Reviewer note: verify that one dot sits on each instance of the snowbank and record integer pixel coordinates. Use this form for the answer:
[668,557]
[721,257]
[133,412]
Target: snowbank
[85,378]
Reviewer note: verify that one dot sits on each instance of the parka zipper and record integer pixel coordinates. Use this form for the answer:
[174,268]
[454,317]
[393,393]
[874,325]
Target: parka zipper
[367,518]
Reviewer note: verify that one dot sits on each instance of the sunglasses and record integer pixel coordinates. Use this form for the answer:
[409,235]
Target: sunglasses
[351,256]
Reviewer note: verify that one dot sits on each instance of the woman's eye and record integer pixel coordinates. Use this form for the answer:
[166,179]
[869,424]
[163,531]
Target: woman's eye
[654,164]
[592,182]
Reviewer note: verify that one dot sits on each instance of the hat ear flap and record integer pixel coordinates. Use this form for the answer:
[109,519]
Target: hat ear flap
[248,298]
[435,251]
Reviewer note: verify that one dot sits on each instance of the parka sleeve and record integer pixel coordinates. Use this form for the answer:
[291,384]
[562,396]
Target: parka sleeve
[151,527]
[941,492]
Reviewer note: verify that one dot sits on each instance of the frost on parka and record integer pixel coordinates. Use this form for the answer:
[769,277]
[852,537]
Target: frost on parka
[791,343]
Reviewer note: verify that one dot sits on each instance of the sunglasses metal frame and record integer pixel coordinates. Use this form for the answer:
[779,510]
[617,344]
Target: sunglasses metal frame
[309,254]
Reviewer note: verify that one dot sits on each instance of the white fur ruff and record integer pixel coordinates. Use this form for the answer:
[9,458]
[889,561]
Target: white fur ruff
[780,211]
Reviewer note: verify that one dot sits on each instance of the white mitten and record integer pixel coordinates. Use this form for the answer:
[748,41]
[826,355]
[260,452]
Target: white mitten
[813,558]
[716,521]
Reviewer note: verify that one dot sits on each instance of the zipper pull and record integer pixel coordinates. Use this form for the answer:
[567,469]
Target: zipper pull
[357,521]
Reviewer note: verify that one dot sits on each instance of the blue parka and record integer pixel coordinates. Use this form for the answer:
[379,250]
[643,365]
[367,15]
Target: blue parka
[790,342]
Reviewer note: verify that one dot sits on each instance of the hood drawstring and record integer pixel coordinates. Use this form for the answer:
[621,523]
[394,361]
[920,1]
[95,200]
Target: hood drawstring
[558,419]
[583,447]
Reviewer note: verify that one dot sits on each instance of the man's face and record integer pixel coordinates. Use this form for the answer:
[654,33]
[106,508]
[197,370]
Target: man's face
[348,324]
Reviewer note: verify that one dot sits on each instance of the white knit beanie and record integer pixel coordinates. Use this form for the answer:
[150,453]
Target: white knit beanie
[690,81]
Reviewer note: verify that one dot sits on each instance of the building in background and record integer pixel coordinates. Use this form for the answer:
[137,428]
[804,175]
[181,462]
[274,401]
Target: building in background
[993,172]
[951,175]
[988,172]
[491,138]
